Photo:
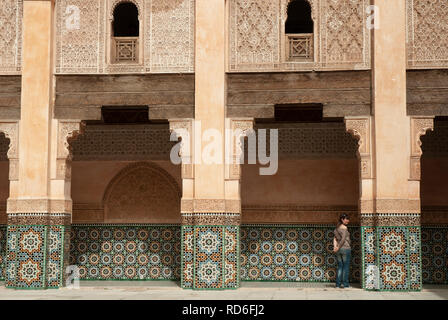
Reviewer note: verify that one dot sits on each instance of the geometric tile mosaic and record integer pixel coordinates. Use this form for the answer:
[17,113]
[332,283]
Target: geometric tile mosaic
[294,253]
[34,256]
[126,252]
[267,253]
[210,258]
[2,251]
[391,258]
[434,255]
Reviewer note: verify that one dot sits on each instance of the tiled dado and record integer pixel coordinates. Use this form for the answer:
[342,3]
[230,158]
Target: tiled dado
[210,257]
[2,251]
[293,253]
[435,254]
[392,259]
[126,252]
[152,252]
[35,256]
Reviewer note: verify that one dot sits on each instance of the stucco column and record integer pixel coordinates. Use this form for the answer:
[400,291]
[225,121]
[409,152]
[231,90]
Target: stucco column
[38,225]
[391,221]
[210,224]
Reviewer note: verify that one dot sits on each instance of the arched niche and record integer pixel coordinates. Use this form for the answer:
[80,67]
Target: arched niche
[142,193]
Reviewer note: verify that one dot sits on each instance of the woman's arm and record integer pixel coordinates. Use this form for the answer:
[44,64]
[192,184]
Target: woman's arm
[335,244]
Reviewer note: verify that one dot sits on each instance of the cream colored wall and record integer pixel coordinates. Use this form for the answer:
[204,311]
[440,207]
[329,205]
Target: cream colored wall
[327,182]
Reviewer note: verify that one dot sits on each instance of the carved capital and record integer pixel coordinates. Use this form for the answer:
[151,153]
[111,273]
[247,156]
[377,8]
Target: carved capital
[183,128]
[11,131]
[419,127]
[68,130]
[360,128]
[239,128]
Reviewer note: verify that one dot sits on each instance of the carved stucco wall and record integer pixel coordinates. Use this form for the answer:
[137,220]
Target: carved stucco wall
[10,36]
[257,29]
[167,35]
[427,33]
[144,193]
[255,39]
[152,142]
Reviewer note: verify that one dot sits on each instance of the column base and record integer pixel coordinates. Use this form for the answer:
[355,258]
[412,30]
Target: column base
[391,253]
[210,257]
[37,250]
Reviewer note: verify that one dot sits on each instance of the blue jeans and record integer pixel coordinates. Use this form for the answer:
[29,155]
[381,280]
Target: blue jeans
[343,256]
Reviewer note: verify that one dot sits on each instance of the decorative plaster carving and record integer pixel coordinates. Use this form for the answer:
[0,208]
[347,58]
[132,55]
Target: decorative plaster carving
[184,130]
[44,206]
[203,219]
[390,219]
[344,37]
[166,41]
[48,219]
[11,12]
[210,206]
[79,49]
[123,142]
[151,142]
[171,36]
[360,129]
[257,32]
[419,127]
[67,132]
[241,128]
[141,190]
[254,32]
[427,42]
[11,131]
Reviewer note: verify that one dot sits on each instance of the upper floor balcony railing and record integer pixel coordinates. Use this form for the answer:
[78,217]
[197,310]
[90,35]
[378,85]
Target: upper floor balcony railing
[300,47]
[125,50]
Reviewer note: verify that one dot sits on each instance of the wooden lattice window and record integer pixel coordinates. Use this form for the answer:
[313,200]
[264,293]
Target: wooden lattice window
[125,39]
[299,28]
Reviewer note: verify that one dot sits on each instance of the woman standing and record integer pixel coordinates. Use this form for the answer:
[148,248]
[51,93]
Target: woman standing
[341,243]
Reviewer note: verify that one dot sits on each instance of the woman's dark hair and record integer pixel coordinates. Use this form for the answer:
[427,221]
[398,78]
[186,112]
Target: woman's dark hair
[342,217]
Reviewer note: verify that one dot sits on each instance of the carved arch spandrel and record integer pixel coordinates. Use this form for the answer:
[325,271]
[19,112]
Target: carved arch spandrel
[360,128]
[419,127]
[142,192]
[11,131]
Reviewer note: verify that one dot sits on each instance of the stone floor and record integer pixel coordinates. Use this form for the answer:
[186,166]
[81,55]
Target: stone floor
[167,290]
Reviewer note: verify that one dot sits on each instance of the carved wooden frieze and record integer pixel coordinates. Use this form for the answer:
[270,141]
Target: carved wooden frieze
[11,12]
